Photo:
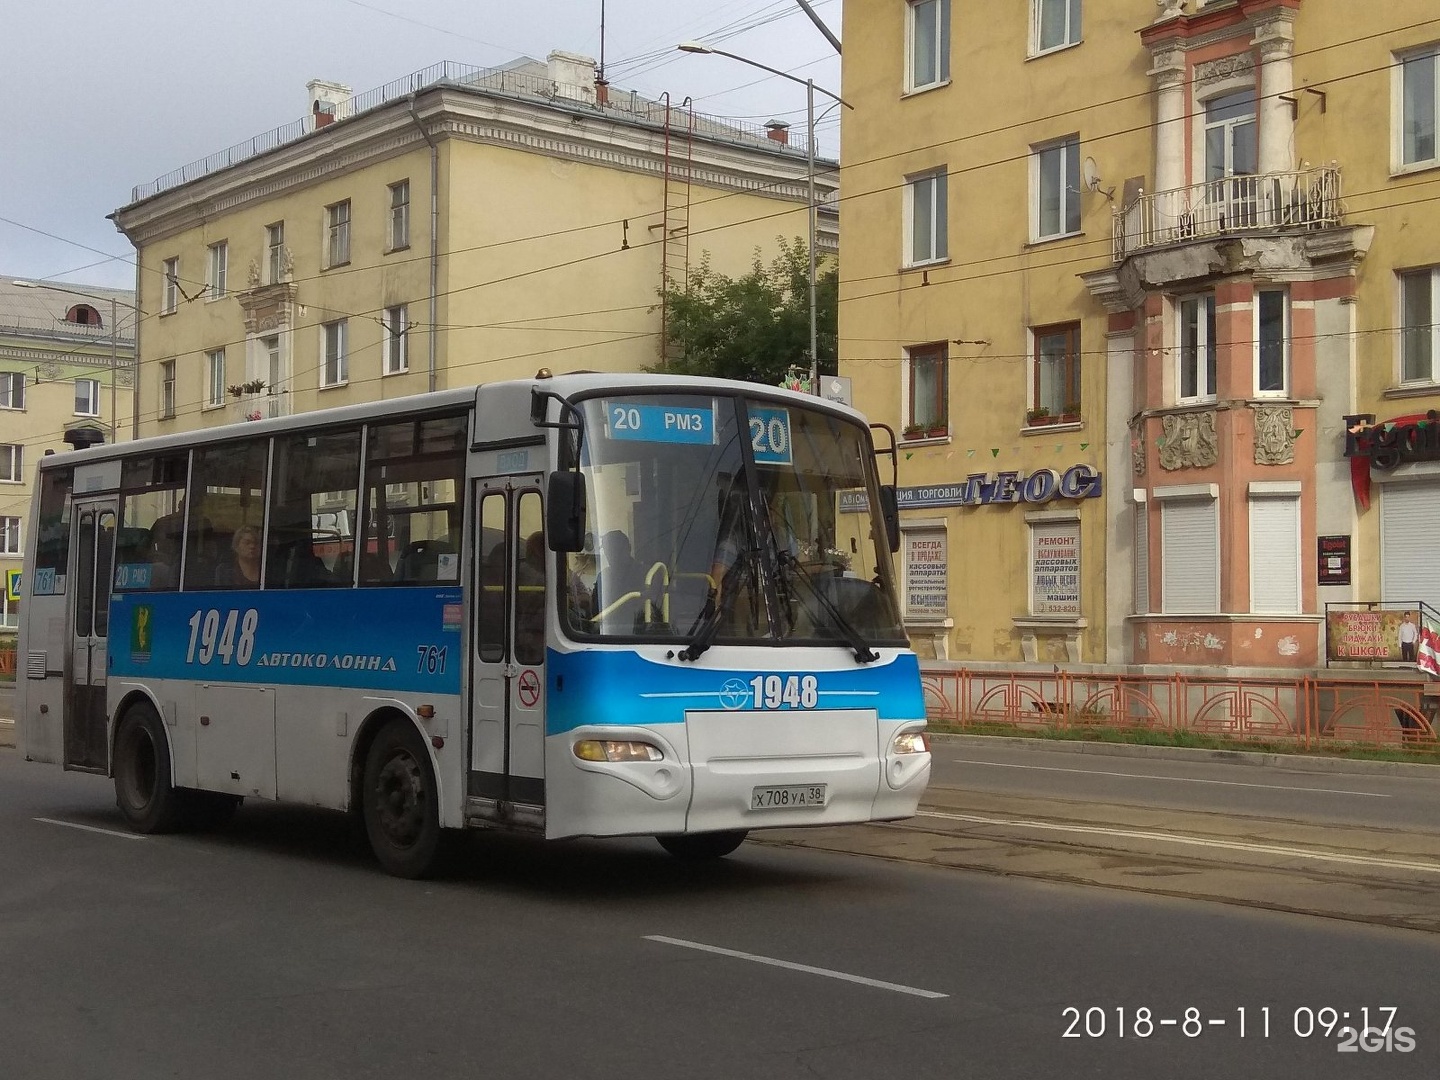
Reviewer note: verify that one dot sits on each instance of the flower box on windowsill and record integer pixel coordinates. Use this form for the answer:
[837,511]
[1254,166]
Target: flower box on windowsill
[1039,419]
[916,434]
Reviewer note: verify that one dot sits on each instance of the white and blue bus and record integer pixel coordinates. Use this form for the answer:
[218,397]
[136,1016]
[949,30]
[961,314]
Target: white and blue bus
[583,605]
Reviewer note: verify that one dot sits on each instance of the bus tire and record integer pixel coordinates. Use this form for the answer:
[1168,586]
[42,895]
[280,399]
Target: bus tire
[148,801]
[694,847]
[400,802]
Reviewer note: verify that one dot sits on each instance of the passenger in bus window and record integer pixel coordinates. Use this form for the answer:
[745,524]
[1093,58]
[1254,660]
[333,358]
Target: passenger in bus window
[621,575]
[244,571]
[164,557]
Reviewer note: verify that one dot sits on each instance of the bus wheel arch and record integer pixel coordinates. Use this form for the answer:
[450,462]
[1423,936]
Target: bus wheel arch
[397,796]
[145,789]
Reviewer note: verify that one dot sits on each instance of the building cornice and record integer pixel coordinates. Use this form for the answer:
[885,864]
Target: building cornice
[449,113]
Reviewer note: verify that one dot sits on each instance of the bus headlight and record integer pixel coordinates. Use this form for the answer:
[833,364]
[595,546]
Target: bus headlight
[911,742]
[605,750]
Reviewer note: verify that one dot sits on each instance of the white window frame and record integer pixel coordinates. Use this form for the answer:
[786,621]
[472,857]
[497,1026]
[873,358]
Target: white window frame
[12,396]
[337,234]
[11,542]
[938,244]
[217,270]
[1398,164]
[1141,564]
[1068,160]
[1405,331]
[1175,497]
[167,389]
[170,301]
[1283,391]
[400,215]
[1205,358]
[275,251]
[395,324]
[215,378]
[941,57]
[1071,36]
[1273,493]
[92,399]
[14,463]
[334,354]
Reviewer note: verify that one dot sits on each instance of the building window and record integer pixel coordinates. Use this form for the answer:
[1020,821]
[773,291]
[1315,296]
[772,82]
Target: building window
[1419,329]
[334,370]
[927,214]
[167,389]
[1053,24]
[87,397]
[1197,347]
[1419,96]
[396,324]
[1055,189]
[84,315]
[12,464]
[927,31]
[1055,568]
[215,275]
[275,251]
[215,377]
[12,390]
[1056,382]
[1142,558]
[171,298]
[1272,342]
[928,413]
[400,215]
[1274,553]
[10,536]
[1189,556]
[1231,147]
[923,554]
[337,225]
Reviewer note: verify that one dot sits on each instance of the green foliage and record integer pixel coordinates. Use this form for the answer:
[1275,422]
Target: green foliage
[756,326]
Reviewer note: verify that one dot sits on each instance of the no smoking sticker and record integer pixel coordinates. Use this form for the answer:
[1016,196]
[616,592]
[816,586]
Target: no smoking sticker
[529,688]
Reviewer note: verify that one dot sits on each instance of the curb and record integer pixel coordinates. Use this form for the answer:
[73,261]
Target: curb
[7,732]
[1286,762]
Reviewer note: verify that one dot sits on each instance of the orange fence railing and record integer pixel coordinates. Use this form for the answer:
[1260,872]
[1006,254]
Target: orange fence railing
[1306,710]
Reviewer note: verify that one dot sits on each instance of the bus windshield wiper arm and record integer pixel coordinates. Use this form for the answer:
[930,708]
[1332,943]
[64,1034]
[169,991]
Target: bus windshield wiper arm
[707,623]
[790,568]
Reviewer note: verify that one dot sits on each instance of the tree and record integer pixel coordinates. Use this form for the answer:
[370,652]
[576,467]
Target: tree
[754,327]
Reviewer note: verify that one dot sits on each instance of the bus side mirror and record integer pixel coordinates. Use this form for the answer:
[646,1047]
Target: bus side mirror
[890,514]
[565,512]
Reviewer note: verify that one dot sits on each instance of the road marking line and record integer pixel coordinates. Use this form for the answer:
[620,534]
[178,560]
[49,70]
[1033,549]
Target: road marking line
[795,967]
[1194,841]
[91,828]
[1176,779]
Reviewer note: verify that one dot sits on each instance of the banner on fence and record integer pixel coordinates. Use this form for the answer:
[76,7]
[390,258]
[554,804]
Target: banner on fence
[1382,635]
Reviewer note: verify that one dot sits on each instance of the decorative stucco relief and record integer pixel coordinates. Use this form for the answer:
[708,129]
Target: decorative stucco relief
[1137,447]
[1226,67]
[1190,441]
[1274,435]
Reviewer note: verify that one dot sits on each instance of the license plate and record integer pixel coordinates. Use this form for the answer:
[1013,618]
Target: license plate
[784,798]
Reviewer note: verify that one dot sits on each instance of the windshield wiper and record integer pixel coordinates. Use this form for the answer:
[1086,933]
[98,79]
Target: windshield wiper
[790,569]
[707,623]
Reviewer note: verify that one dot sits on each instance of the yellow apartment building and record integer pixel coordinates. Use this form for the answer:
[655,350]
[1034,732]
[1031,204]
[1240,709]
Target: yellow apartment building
[454,227]
[65,381]
[1148,292]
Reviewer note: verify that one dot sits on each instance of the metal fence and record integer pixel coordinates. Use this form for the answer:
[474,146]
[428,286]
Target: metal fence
[1305,711]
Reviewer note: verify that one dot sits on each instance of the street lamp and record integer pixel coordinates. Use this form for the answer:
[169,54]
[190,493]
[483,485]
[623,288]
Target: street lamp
[114,330]
[810,88]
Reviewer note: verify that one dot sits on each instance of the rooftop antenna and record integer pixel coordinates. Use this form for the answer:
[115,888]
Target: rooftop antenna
[601,73]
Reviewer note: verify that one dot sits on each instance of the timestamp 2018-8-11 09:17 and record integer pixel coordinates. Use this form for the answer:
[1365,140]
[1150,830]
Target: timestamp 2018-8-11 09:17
[1365,1028]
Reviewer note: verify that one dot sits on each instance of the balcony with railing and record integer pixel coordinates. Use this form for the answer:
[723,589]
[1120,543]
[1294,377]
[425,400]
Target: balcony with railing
[1234,205]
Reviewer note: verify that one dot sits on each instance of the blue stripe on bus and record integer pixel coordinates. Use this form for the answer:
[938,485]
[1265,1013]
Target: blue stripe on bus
[617,687]
[371,639]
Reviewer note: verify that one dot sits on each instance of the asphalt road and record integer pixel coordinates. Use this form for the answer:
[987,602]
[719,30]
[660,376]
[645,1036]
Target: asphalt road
[277,949]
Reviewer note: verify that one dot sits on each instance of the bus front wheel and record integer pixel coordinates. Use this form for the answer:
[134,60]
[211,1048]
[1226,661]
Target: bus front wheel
[148,801]
[402,817]
[696,846]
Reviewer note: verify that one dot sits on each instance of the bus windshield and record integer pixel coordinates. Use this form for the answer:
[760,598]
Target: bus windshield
[734,519]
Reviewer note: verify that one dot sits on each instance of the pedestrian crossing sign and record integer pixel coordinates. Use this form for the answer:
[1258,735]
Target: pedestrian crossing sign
[12,584]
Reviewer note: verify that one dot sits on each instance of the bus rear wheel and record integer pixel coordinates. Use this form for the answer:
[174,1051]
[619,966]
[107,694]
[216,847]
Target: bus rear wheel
[148,801]
[399,802]
[697,846]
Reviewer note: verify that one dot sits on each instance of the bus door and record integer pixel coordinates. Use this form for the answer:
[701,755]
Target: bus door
[507,706]
[92,529]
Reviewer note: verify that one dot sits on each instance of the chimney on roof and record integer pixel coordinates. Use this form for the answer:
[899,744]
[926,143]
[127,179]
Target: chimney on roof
[778,131]
[574,75]
[329,101]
